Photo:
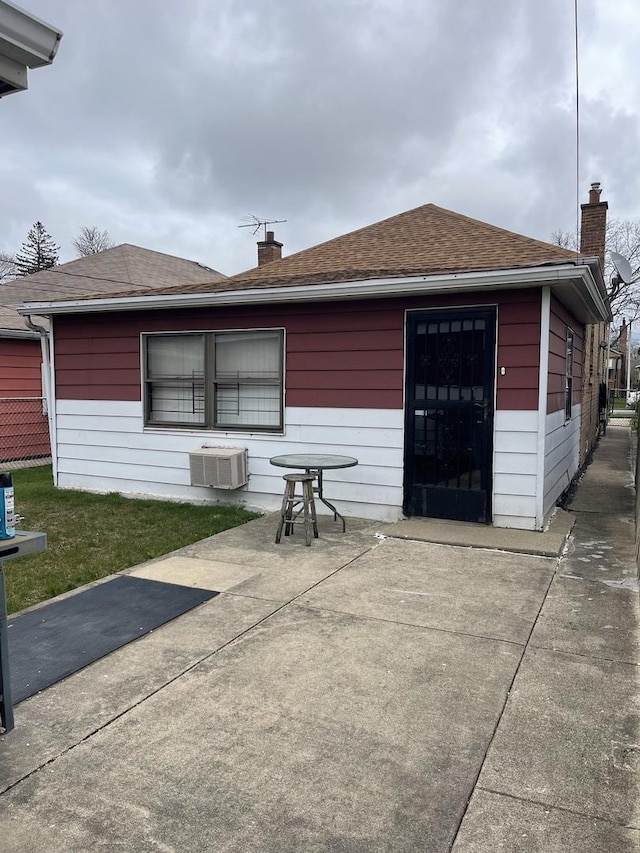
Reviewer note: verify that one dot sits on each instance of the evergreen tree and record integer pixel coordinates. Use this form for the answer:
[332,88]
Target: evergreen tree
[38,252]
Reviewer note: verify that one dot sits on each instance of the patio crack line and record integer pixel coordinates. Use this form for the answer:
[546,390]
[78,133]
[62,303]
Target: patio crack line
[170,681]
[552,806]
[585,655]
[494,549]
[415,625]
[504,705]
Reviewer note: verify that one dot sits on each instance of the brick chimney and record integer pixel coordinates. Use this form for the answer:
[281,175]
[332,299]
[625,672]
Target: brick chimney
[593,226]
[269,250]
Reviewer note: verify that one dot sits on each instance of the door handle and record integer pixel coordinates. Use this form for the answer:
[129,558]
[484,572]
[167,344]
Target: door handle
[484,407]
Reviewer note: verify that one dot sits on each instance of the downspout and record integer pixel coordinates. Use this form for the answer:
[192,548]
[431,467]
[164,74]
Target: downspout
[543,381]
[47,380]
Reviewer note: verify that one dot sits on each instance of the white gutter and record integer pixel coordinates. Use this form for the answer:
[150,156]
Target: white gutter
[25,42]
[25,39]
[566,275]
[18,334]
[47,381]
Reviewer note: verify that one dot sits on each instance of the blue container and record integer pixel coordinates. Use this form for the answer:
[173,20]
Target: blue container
[7,507]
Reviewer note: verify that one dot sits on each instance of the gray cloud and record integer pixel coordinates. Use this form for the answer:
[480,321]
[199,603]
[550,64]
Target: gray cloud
[166,122]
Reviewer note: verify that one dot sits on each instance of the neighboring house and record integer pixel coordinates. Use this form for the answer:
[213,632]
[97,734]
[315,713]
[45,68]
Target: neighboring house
[444,353]
[635,371]
[624,364]
[24,430]
[616,377]
[623,355]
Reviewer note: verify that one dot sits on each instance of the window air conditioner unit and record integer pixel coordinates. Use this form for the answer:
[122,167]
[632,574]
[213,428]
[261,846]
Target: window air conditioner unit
[219,467]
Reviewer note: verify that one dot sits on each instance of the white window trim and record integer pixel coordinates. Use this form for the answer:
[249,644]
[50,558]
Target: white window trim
[568,374]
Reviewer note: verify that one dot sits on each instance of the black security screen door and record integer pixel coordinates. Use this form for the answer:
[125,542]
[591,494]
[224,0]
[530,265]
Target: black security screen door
[449,414]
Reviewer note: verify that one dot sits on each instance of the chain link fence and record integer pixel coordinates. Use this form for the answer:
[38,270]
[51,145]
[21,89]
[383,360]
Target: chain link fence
[623,398]
[623,406]
[24,432]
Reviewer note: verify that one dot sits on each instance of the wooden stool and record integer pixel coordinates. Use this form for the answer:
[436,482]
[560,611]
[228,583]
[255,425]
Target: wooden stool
[287,515]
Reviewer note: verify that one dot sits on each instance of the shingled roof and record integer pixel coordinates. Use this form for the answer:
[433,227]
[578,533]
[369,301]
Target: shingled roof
[428,240]
[125,267]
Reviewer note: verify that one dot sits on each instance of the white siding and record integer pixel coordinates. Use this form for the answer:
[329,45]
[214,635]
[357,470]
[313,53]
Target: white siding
[103,447]
[515,459]
[562,444]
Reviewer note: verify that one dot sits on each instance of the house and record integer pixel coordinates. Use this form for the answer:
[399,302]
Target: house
[24,428]
[445,354]
[622,361]
[24,431]
[616,375]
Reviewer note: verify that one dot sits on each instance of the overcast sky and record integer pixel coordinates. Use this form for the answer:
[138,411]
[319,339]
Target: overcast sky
[166,122]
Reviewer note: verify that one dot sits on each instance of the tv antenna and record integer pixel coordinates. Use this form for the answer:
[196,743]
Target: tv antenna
[256,223]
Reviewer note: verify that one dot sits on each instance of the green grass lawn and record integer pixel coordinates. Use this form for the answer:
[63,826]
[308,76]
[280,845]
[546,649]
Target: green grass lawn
[620,403]
[90,536]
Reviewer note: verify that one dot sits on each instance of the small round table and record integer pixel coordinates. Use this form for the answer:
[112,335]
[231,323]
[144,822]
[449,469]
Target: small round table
[316,463]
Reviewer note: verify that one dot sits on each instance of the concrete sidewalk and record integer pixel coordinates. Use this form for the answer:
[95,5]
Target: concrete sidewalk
[368,693]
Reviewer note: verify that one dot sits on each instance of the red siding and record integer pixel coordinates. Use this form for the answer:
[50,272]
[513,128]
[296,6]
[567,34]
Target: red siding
[520,334]
[341,354]
[560,319]
[519,352]
[376,360]
[344,380]
[20,371]
[24,431]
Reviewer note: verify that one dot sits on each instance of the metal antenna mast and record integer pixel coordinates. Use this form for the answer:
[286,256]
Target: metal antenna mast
[256,223]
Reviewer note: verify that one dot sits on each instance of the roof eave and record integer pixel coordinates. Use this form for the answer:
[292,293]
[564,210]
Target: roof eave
[585,296]
[600,284]
[575,283]
[18,334]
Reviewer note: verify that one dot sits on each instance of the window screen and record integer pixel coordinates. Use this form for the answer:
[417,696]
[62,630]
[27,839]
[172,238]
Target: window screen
[225,380]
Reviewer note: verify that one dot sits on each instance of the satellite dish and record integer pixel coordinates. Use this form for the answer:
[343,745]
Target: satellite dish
[623,267]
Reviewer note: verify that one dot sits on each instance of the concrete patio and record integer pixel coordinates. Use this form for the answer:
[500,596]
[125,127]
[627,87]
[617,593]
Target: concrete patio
[374,692]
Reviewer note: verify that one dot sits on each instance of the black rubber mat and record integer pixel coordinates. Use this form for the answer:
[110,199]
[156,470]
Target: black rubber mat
[51,642]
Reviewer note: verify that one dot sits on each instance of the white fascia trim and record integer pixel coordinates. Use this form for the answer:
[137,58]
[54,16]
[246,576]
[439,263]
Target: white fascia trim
[593,298]
[567,274]
[17,334]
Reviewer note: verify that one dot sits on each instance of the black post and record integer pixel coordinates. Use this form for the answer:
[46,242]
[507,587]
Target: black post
[24,542]
[6,700]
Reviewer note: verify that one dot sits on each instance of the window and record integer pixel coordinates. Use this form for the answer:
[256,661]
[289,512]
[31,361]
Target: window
[215,380]
[568,388]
